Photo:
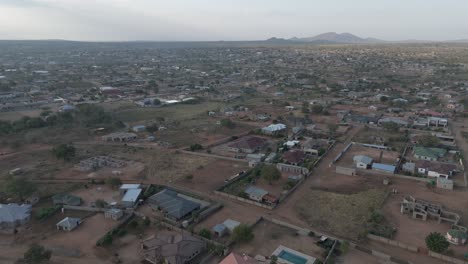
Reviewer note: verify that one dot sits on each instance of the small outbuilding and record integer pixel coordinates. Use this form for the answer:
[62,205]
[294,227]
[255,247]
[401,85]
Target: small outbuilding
[68,224]
[220,230]
[444,183]
[362,161]
[114,214]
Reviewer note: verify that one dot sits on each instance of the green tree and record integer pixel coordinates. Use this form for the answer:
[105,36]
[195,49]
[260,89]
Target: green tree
[205,233]
[242,233]
[317,109]
[114,182]
[436,242]
[64,152]
[226,122]
[305,108]
[100,203]
[37,254]
[19,187]
[391,126]
[195,147]
[428,141]
[332,128]
[270,173]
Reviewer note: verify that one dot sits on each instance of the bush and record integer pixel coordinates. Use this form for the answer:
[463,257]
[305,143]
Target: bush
[195,147]
[64,152]
[47,212]
[226,122]
[242,234]
[436,242]
[114,182]
[37,254]
[270,173]
[205,233]
[146,222]
[100,203]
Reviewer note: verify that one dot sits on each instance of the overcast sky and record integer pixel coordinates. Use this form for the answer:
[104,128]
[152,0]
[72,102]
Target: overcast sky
[160,20]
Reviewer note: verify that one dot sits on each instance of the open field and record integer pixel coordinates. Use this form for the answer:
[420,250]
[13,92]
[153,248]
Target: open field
[340,214]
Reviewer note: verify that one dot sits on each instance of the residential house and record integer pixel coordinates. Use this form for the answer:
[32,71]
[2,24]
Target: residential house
[139,128]
[13,215]
[383,167]
[174,207]
[226,227]
[435,169]
[130,198]
[274,129]
[247,144]
[294,157]
[398,121]
[172,248]
[256,194]
[68,224]
[314,146]
[456,237]
[362,161]
[431,154]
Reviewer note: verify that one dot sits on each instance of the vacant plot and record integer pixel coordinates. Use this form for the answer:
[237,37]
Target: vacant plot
[396,140]
[340,214]
[131,113]
[211,176]
[161,165]
[277,235]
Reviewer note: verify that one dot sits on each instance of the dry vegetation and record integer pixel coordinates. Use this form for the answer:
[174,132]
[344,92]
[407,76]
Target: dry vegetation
[340,214]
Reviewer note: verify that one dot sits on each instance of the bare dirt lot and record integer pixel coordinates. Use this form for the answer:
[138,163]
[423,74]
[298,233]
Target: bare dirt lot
[211,176]
[77,246]
[277,235]
[413,231]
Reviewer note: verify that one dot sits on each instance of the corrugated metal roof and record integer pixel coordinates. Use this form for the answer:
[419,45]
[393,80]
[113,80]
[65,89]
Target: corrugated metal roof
[383,167]
[131,195]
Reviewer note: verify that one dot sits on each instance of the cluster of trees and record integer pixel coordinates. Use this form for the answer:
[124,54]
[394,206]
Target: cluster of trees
[64,152]
[36,254]
[85,115]
[226,122]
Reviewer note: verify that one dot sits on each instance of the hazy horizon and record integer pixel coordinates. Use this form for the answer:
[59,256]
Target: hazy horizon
[203,20]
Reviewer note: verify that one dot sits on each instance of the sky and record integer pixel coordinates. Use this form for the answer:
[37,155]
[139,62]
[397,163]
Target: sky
[212,20]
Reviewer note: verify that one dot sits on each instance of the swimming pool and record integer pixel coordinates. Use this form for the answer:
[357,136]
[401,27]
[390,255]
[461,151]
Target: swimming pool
[291,257]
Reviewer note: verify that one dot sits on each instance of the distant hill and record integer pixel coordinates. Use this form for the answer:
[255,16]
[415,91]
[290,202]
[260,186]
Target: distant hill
[330,37]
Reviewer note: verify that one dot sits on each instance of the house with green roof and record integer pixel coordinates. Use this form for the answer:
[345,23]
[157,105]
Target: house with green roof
[457,236]
[431,154]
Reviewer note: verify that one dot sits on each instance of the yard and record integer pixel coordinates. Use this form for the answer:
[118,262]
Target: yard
[277,235]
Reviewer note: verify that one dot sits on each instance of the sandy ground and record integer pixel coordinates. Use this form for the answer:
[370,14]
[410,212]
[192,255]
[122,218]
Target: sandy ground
[212,176]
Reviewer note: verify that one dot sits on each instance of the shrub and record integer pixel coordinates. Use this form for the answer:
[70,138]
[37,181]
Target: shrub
[205,233]
[242,233]
[436,242]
